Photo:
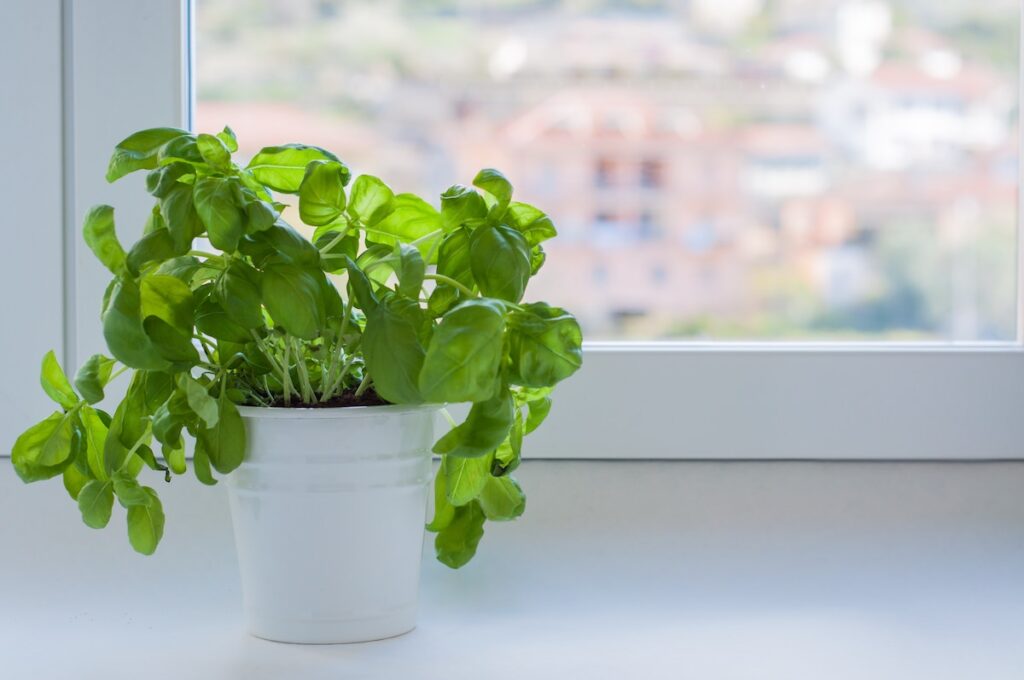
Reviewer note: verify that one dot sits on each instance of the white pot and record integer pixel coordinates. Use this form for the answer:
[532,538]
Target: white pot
[329,508]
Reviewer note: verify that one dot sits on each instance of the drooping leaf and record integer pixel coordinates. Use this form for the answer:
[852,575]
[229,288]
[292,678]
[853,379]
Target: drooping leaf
[95,502]
[533,224]
[238,292]
[199,400]
[461,205]
[465,478]
[444,511]
[128,490]
[102,240]
[486,426]
[45,449]
[502,499]
[178,210]
[167,298]
[146,523]
[224,443]
[456,544]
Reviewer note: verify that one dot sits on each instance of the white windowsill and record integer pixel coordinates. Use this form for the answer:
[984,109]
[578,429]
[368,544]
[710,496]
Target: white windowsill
[638,570]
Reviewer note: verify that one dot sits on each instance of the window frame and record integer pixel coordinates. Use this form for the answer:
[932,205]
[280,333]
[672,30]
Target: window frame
[631,400]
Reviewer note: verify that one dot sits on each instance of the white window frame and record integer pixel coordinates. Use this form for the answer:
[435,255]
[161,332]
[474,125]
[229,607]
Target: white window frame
[631,400]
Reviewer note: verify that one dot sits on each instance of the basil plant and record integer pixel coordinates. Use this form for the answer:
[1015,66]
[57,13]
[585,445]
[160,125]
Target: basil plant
[223,303]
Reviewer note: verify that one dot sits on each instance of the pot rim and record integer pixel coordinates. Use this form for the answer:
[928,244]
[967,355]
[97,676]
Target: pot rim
[334,413]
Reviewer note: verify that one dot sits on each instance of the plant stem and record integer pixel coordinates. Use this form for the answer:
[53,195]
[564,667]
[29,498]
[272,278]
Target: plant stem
[363,385]
[300,364]
[335,241]
[447,280]
[201,253]
[286,379]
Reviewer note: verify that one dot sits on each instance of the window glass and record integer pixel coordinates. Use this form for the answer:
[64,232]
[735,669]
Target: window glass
[718,169]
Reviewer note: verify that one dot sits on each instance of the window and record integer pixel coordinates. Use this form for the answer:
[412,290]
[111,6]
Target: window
[853,160]
[755,250]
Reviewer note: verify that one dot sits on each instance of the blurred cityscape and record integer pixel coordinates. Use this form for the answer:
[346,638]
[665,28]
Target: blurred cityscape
[717,169]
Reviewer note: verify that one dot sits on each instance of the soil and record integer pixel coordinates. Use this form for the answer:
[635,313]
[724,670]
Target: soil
[349,398]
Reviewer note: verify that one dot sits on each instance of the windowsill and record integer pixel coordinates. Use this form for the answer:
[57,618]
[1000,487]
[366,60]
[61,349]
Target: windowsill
[645,570]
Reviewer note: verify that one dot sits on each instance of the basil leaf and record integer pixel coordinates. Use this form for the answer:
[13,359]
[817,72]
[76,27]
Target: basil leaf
[456,544]
[44,450]
[500,260]
[495,184]
[412,219]
[533,224]
[282,168]
[486,426]
[545,345]
[223,218]
[122,329]
[214,151]
[102,240]
[322,192]
[371,200]
[461,205]
[224,443]
[139,151]
[392,350]
[95,502]
[294,299]
[146,523]
[464,354]
[502,499]
[55,383]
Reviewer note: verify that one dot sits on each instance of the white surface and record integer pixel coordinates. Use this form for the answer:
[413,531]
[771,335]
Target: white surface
[789,401]
[328,511]
[618,570]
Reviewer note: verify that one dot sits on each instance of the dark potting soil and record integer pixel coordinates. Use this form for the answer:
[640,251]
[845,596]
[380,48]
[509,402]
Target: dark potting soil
[349,398]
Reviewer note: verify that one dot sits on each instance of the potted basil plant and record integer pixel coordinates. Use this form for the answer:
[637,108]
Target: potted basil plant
[309,372]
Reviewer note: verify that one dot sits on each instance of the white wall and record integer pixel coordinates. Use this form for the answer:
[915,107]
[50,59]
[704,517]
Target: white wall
[31,193]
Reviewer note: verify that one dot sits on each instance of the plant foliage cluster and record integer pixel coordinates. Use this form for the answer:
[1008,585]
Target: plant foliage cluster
[428,309]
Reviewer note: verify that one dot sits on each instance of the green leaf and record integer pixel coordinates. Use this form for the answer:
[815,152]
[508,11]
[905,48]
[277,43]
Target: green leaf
[453,262]
[102,240]
[282,168]
[362,291]
[466,477]
[444,511]
[156,246]
[96,501]
[502,499]
[175,458]
[178,210]
[371,200]
[214,151]
[172,344]
[465,354]
[161,181]
[213,320]
[167,298]
[223,218]
[224,444]
[238,292]
[281,242]
[545,345]
[322,193]
[96,432]
[55,383]
[184,149]
[227,135]
[533,224]
[294,299]
[146,523]
[44,450]
[261,216]
[494,183]
[139,151]
[128,490]
[538,413]
[500,260]
[93,376]
[411,220]
[201,464]
[74,481]
[199,400]
[456,544]
[393,352]
[486,426]
[461,205]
